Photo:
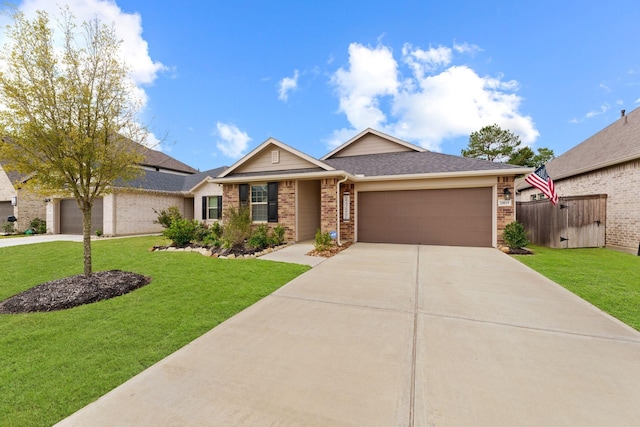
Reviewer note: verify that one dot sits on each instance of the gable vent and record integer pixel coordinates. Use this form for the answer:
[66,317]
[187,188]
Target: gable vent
[275,156]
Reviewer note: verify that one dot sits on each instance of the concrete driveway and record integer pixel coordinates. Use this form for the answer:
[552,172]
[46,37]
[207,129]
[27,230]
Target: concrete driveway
[396,335]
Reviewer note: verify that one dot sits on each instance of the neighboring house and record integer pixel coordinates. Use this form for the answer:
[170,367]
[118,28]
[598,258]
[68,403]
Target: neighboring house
[375,188]
[606,163]
[130,208]
[18,203]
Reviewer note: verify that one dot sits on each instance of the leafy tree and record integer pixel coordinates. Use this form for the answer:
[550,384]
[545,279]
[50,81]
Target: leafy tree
[68,114]
[492,143]
[526,157]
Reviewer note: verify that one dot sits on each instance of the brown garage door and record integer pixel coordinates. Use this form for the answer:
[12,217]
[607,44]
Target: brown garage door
[71,217]
[451,217]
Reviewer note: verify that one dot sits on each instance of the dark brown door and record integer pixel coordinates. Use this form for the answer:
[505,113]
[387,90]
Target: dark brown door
[450,217]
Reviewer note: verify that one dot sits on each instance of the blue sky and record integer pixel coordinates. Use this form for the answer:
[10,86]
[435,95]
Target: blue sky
[219,78]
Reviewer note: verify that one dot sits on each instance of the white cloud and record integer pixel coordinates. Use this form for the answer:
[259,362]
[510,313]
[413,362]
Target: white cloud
[426,61]
[233,142]
[471,49]
[372,73]
[128,27]
[287,85]
[434,102]
[603,109]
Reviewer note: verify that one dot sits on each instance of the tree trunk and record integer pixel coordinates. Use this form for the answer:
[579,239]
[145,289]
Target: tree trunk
[86,238]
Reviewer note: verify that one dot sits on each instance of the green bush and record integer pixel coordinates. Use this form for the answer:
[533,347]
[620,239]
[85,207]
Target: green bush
[237,227]
[216,230]
[323,241]
[167,216]
[259,238]
[39,226]
[515,235]
[8,227]
[277,235]
[181,232]
[201,232]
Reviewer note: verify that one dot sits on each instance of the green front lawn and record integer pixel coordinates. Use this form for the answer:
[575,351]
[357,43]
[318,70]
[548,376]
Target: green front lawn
[608,279]
[52,364]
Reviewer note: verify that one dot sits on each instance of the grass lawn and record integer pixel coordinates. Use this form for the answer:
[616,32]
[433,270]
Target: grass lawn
[52,364]
[608,279]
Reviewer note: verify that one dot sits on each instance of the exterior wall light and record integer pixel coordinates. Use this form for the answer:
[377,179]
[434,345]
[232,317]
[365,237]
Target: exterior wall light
[507,194]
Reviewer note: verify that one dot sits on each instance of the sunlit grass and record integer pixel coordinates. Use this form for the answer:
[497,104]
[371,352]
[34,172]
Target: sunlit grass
[608,279]
[52,364]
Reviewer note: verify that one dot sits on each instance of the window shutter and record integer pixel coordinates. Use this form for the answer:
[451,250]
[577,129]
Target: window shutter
[219,207]
[204,207]
[272,202]
[244,195]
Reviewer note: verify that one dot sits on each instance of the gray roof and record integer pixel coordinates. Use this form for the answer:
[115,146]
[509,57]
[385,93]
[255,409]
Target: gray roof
[191,181]
[406,163]
[617,143]
[163,181]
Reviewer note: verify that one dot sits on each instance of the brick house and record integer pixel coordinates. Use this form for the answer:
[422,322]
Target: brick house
[129,208]
[15,202]
[374,188]
[605,163]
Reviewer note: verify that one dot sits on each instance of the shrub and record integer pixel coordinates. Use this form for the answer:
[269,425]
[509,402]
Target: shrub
[8,228]
[323,241]
[39,226]
[237,227]
[216,230]
[181,232]
[201,233]
[277,236]
[515,235]
[167,216]
[259,239]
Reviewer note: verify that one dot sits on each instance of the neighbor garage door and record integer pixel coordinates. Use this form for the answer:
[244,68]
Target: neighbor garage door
[6,210]
[71,217]
[452,217]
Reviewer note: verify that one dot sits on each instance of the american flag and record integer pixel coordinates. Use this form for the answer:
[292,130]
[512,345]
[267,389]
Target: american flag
[542,181]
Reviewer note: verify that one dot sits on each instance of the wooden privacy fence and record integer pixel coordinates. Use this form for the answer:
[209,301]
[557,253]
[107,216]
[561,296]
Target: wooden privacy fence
[575,222]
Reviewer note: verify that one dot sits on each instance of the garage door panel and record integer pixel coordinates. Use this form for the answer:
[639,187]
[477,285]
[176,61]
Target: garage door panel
[71,216]
[453,217]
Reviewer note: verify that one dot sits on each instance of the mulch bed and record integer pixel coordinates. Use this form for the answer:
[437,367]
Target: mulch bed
[330,252]
[519,251]
[73,291]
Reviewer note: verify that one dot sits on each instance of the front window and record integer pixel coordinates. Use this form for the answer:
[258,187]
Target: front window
[259,203]
[212,208]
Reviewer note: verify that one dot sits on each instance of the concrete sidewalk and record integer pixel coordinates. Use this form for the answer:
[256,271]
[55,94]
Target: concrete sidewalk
[384,335]
[39,238]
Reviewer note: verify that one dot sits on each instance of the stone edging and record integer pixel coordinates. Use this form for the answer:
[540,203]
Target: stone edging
[209,253]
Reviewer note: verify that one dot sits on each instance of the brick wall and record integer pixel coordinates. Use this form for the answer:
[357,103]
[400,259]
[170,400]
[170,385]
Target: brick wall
[506,214]
[328,205]
[621,184]
[134,211]
[347,227]
[286,205]
[287,209]
[29,207]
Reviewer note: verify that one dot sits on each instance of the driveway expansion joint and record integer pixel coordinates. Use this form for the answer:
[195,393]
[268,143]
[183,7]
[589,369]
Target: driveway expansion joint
[548,330]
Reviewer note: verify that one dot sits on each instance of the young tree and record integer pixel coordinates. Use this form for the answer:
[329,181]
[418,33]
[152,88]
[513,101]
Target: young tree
[68,117]
[492,143]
